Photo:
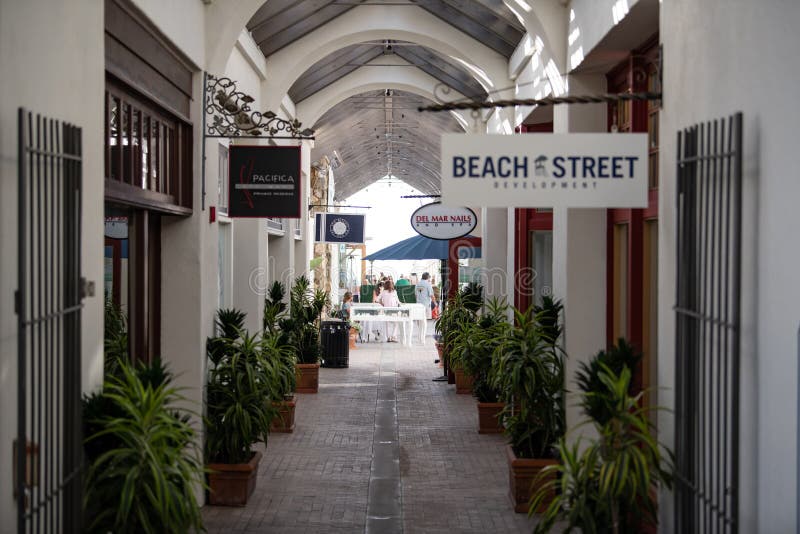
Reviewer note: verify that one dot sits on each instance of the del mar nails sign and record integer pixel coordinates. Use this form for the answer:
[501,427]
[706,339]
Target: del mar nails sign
[545,170]
[443,222]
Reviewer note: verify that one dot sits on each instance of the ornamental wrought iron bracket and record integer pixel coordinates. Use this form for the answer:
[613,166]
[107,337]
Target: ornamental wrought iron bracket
[228,113]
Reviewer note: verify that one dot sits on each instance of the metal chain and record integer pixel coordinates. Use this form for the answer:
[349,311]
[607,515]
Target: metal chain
[549,101]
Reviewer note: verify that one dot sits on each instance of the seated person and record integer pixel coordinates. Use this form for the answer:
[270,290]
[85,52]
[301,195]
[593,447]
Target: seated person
[347,305]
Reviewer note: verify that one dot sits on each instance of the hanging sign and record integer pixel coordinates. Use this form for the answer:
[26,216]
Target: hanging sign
[339,228]
[264,181]
[443,222]
[578,170]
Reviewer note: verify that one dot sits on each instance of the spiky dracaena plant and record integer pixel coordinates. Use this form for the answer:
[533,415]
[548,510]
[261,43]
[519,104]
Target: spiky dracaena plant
[274,307]
[115,339]
[238,391]
[142,454]
[229,326]
[611,485]
[303,322]
[528,370]
[588,377]
[480,345]
[279,362]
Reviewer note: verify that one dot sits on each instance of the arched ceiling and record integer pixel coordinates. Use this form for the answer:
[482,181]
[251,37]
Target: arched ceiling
[381,133]
[278,23]
[342,62]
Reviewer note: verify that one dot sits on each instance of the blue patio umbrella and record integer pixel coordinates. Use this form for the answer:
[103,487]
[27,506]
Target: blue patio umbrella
[421,248]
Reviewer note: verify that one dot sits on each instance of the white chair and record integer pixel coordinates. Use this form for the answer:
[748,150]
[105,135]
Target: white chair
[418,319]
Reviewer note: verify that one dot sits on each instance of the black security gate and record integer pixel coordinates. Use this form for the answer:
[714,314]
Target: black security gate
[709,226]
[48,304]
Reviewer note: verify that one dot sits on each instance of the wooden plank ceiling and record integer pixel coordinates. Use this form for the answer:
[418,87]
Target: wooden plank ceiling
[381,132]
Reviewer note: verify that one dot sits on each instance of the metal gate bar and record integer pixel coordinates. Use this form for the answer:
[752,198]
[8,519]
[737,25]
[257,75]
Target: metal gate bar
[48,305]
[709,222]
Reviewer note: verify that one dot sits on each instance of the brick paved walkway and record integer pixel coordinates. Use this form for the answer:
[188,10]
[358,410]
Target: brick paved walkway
[317,479]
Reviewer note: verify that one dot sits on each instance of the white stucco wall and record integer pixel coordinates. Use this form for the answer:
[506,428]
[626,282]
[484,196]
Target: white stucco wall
[182,22]
[579,252]
[589,22]
[744,58]
[56,70]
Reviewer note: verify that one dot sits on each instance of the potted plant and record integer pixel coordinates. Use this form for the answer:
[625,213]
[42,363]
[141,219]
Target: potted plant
[461,340]
[459,311]
[142,454]
[355,332]
[302,326]
[279,361]
[238,410]
[609,485]
[280,358]
[528,370]
[474,349]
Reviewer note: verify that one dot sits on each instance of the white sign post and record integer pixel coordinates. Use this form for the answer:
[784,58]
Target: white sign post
[579,170]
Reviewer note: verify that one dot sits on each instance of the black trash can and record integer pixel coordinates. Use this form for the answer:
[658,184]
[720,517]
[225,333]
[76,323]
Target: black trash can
[335,344]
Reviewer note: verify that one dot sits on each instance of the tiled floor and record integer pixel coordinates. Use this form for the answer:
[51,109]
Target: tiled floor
[317,479]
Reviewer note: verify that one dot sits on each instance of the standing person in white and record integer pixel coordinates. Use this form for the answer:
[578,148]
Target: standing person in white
[388,298]
[424,293]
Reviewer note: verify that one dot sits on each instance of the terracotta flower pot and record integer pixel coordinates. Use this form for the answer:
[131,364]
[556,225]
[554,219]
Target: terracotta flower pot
[307,377]
[284,421]
[451,376]
[463,382]
[232,484]
[353,337]
[521,475]
[489,417]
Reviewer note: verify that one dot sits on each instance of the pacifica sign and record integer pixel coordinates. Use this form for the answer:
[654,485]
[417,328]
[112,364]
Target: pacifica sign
[545,170]
[443,222]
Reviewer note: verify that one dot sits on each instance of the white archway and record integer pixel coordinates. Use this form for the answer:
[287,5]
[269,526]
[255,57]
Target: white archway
[376,23]
[365,79]
[225,19]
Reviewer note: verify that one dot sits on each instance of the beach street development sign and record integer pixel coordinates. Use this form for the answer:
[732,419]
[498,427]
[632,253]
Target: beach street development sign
[264,181]
[578,170]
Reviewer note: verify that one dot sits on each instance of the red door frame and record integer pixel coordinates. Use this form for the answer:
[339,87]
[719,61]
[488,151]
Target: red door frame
[527,220]
[627,77]
[454,245]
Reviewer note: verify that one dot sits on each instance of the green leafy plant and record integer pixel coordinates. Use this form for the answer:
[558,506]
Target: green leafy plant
[611,486]
[528,370]
[596,402]
[548,318]
[142,455]
[115,339]
[239,389]
[274,307]
[229,325]
[473,346]
[279,361]
[303,322]
[457,314]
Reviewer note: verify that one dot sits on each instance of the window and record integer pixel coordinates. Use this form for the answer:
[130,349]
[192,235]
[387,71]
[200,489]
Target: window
[225,258]
[147,152]
[541,247]
[132,278]
[222,187]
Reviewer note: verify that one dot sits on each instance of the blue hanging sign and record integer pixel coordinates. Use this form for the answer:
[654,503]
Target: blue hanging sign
[339,228]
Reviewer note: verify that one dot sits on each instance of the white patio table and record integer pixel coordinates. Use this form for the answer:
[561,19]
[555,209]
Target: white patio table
[366,314]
